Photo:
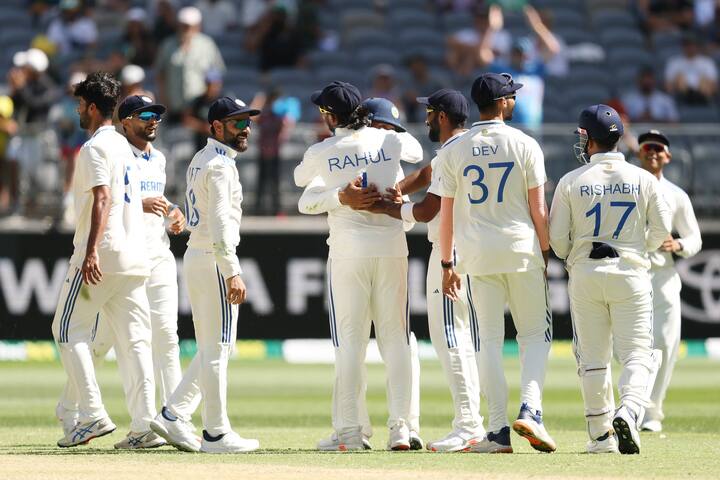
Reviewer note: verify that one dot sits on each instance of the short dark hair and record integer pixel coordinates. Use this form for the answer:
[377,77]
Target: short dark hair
[607,144]
[358,118]
[102,89]
[457,121]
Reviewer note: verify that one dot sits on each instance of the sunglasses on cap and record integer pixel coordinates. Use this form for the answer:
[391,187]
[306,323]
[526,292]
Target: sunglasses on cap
[653,147]
[240,124]
[322,110]
[149,116]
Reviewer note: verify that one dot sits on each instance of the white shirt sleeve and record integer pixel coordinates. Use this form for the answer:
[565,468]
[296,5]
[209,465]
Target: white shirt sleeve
[317,198]
[560,222]
[410,149]
[306,171]
[96,170]
[535,166]
[659,220]
[446,178]
[219,179]
[687,227]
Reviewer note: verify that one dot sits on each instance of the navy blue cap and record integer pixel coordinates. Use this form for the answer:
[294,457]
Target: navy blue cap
[489,87]
[139,103]
[384,111]
[338,97]
[654,136]
[601,122]
[225,107]
[448,101]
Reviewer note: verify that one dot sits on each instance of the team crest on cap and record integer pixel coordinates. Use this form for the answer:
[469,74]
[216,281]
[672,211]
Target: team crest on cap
[395,112]
[613,128]
[146,99]
[240,102]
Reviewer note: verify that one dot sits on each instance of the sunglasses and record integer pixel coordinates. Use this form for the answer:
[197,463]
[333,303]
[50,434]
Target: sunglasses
[241,124]
[148,116]
[430,110]
[322,110]
[653,147]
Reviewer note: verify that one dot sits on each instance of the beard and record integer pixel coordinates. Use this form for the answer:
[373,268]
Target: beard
[434,131]
[84,121]
[237,142]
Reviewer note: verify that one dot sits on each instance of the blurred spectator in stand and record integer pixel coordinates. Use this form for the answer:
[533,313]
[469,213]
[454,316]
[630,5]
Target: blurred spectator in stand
[383,83]
[131,81]
[183,62]
[218,16]
[691,77]
[647,103]
[470,48]
[421,83]
[138,44]
[279,41]
[8,128]
[165,25]
[33,93]
[711,30]
[195,117]
[73,30]
[664,15]
[279,116]
[66,122]
[308,24]
[531,73]
[628,142]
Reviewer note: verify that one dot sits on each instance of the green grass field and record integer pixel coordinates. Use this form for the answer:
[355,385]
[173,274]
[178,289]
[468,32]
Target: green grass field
[287,407]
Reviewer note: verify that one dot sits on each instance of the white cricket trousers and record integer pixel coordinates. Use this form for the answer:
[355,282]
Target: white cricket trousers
[526,294]
[362,291]
[666,286]
[449,326]
[162,292]
[611,312]
[215,322]
[122,303]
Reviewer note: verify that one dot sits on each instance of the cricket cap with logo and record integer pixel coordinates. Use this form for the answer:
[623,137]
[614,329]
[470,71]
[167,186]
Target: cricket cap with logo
[384,111]
[340,98]
[225,107]
[447,100]
[139,103]
[601,122]
[490,87]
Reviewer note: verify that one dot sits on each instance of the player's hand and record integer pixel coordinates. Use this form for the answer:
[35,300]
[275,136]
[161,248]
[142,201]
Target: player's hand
[670,245]
[90,270]
[495,18]
[178,221]
[156,205]
[393,195]
[357,197]
[451,284]
[380,206]
[236,290]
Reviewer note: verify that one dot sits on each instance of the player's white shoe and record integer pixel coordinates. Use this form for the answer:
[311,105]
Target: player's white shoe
[177,432]
[454,441]
[651,426]
[416,443]
[529,425]
[68,418]
[625,426]
[84,432]
[333,443]
[139,440]
[230,442]
[399,438]
[604,444]
[494,442]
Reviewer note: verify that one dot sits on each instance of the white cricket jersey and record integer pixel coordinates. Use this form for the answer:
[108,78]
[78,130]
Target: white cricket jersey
[613,202]
[151,168]
[106,159]
[433,225]
[488,171]
[340,159]
[213,205]
[684,224]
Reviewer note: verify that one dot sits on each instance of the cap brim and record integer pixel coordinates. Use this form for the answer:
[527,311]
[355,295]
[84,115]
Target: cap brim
[654,137]
[155,108]
[515,87]
[390,121]
[250,111]
[423,100]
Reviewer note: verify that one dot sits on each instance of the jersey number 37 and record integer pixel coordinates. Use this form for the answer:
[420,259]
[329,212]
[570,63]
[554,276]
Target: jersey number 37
[479,173]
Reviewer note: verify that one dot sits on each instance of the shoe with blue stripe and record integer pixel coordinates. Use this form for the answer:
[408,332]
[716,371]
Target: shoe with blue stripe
[84,432]
[494,442]
[529,424]
[135,441]
[625,425]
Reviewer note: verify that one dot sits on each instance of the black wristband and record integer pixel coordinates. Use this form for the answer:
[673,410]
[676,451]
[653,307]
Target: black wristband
[446,264]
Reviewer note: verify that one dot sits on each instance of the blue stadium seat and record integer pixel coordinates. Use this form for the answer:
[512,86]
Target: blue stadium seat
[367,37]
[616,39]
[357,18]
[698,114]
[412,37]
[412,18]
[614,18]
[326,75]
[706,174]
[630,56]
[368,57]
[454,21]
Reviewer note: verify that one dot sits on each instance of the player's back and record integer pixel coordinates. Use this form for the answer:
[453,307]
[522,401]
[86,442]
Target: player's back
[374,154]
[489,170]
[611,202]
[214,163]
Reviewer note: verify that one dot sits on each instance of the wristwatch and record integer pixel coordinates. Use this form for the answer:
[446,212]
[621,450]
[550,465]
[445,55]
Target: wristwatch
[445,264]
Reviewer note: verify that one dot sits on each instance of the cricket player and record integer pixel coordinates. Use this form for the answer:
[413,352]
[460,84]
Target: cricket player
[107,274]
[605,217]
[316,199]
[448,321]
[654,155]
[212,274]
[140,118]
[367,283]
[493,208]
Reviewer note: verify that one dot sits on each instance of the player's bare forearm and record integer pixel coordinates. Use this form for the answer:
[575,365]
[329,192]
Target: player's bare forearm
[98,220]
[539,215]
[416,181]
[386,207]
[446,228]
